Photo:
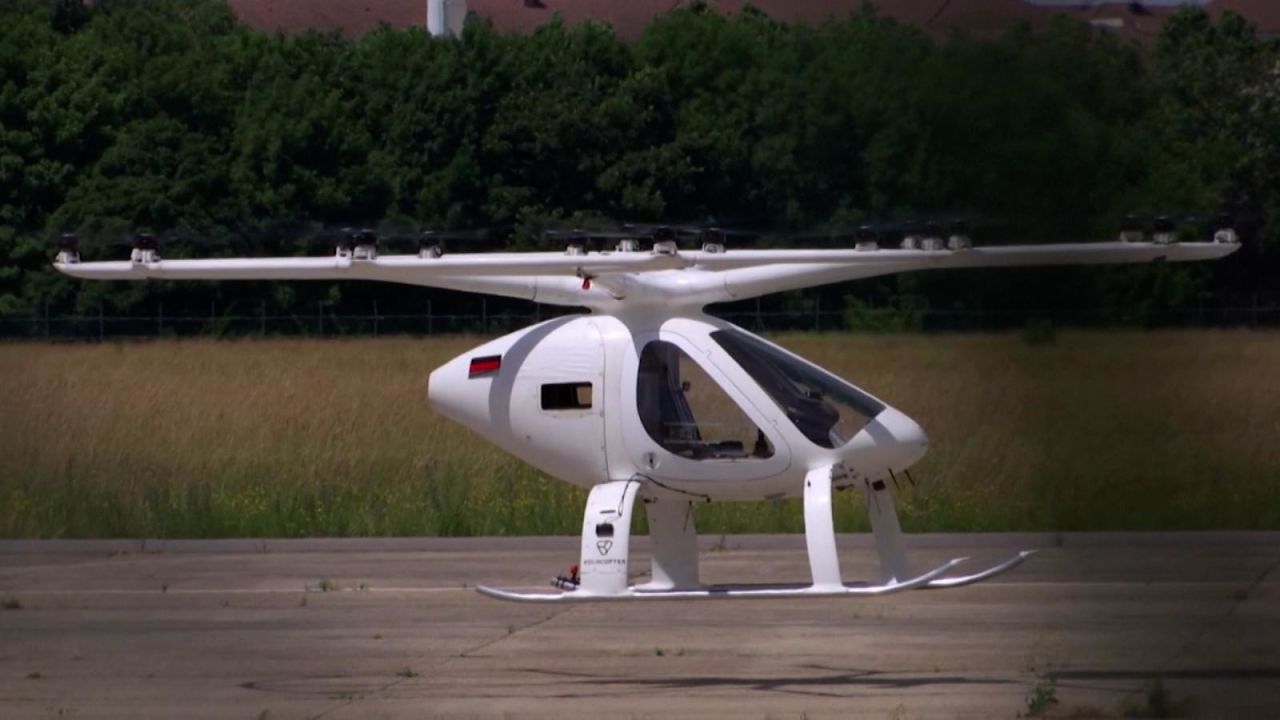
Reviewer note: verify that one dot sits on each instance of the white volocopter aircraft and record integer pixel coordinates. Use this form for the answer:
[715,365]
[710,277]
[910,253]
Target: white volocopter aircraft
[649,398]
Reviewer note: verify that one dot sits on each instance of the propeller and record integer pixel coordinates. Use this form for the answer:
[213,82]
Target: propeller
[427,242]
[1168,227]
[629,234]
[68,245]
[577,240]
[361,244]
[432,242]
[713,237]
[309,238]
[400,236]
[1132,229]
[911,234]
[692,229]
[580,235]
[141,245]
[866,237]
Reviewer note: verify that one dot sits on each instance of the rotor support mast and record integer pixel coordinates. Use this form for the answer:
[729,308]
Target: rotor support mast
[819,531]
[673,543]
[606,538]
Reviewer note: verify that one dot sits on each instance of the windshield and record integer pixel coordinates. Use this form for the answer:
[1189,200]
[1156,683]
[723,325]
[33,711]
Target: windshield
[824,408]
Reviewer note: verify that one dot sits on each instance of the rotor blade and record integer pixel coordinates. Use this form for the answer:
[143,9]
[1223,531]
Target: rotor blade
[686,229]
[580,234]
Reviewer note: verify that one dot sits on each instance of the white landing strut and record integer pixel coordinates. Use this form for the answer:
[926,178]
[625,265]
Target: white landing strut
[606,539]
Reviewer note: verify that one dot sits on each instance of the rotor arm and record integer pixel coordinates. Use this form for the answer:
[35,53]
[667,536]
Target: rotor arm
[211,269]
[748,274]
[553,278]
[414,269]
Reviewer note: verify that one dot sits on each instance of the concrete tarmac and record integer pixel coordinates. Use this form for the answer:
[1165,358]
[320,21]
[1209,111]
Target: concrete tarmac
[371,628]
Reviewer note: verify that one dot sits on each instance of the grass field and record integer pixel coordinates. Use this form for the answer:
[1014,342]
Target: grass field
[1097,430]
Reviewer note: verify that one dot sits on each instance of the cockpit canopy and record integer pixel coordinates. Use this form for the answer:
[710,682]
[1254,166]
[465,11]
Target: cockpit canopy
[824,408]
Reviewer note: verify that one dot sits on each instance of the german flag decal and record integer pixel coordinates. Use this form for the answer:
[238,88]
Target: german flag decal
[486,365]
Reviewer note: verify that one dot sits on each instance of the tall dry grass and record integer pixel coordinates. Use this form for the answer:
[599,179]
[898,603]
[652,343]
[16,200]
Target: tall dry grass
[1116,430]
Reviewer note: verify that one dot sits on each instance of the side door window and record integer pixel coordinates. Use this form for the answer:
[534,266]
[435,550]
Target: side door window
[688,414]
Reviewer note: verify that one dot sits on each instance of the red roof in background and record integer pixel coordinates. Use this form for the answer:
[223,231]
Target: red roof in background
[629,17]
[1264,13]
[983,18]
[354,17]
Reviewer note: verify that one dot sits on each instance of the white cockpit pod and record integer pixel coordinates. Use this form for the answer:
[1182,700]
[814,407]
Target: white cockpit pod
[536,393]
[557,402]
[689,422]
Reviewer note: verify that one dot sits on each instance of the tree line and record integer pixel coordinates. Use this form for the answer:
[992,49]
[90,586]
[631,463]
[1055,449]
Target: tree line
[173,117]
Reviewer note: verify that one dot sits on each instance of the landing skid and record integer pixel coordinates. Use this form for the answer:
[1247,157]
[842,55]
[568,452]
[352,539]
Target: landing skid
[726,592]
[603,567]
[950,582]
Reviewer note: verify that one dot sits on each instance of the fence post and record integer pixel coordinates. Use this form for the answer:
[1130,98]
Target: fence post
[46,317]
[262,319]
[375,318]
[817,312]
[320,318]
[160,318]
[428,317]
[484,314]
[101,321]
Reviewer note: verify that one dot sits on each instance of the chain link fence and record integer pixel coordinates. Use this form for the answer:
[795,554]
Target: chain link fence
[329,322]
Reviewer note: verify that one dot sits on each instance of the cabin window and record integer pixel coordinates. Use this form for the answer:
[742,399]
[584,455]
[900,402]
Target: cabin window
[688,413]
[566,396]
[828,410]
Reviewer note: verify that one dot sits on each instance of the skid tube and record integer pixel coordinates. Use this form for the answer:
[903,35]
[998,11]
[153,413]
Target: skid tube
[605,550]
[725,592]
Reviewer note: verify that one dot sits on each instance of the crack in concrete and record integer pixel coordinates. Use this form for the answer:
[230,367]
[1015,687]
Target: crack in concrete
[441,663]
[1203,629]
